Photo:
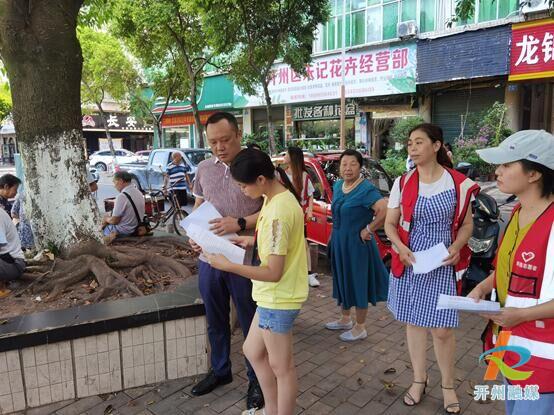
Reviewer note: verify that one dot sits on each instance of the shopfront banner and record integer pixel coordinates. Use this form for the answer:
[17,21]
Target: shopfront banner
[532,50]
[118,122]
[326,111]
[370,72]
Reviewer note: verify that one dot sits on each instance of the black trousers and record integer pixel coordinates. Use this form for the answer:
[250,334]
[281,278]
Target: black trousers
[181,196]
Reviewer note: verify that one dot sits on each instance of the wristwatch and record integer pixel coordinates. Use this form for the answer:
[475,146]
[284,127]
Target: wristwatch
[242,223]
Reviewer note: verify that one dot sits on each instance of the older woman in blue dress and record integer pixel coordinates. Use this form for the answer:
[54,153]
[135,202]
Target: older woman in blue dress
[428,205]
[359,276]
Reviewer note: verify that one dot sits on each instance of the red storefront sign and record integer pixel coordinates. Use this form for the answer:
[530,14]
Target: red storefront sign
[179,120]
[532,50]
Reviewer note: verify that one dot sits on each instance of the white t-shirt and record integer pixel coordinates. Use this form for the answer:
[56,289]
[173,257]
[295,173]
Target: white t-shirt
[425,189]
[9,239]
[310,190]
[125,211]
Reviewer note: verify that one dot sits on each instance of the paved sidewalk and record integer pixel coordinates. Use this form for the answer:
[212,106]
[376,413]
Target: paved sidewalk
[335,377]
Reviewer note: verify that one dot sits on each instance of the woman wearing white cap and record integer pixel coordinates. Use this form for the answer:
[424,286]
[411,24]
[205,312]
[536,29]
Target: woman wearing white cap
[523,280]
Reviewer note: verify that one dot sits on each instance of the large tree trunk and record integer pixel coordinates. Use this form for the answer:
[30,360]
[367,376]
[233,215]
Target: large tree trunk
[269,119]
[42,56]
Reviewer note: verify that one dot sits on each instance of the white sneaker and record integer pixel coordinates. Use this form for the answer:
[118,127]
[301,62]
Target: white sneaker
[254,411]
[312,280]
[337,325]
[348,336]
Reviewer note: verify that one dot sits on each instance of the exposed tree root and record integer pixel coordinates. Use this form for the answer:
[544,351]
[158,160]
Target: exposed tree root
[130,266]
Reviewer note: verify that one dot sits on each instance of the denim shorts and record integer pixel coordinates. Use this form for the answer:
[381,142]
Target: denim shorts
[277,321]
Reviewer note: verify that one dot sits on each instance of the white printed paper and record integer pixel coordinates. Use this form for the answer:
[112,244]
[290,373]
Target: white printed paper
[213,244]
[201,217]
[454,302]
[430,259]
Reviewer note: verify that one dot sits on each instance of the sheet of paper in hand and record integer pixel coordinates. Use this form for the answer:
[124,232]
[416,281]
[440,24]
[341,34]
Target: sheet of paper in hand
[430,259]
[454,302]
[213,244]
[201,217]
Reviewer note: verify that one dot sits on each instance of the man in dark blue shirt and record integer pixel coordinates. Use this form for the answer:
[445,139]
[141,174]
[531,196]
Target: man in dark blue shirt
[177,177]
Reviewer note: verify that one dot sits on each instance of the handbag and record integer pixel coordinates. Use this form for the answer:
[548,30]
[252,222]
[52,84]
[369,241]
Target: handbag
[143,227]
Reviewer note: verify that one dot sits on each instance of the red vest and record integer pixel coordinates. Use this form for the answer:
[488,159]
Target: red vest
[532,283]
[409,190]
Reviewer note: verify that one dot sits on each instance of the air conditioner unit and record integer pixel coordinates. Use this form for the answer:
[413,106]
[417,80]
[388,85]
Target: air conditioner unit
[533,6]
[406,29]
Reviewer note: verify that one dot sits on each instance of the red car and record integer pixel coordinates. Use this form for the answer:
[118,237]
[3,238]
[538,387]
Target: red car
[323,169]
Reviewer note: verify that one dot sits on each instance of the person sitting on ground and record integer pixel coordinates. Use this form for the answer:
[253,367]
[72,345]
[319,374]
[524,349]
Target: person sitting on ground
[177,177]
[8,189]
[12,260]
[124,219]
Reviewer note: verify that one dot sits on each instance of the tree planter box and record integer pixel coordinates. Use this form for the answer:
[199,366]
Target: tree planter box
[100,348]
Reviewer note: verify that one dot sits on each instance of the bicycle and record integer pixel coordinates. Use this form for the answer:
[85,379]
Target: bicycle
[174,213]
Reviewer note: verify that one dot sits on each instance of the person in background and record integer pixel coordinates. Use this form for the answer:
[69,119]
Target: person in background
[427,206]
[254,146]
[176,178]
[359,275]
[8,189]
[280,283]
[298,175]
[523,281]
[91,180]
[21,222]
[12,260]
[214,184]
[123,220]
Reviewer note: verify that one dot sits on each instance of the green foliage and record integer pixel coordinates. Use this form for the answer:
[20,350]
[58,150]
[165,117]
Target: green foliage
[106,68]
[253,34]
[465,9]
[261,139]
[399,132]
[5,101]
[490,130]
[395,162]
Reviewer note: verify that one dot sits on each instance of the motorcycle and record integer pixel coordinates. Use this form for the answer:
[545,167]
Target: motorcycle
[484,240]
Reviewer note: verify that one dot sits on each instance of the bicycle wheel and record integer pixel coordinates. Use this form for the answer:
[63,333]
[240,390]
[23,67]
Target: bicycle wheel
[178,216]
[157,215]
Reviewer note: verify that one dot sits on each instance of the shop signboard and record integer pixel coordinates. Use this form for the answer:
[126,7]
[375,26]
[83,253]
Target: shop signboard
[115,122]
[369,72]
[327,111]
[532,50]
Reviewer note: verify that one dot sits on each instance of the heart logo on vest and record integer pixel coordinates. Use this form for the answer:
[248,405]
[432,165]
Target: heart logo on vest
[528,256]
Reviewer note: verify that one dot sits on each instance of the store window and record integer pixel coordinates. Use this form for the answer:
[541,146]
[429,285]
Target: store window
[373,21]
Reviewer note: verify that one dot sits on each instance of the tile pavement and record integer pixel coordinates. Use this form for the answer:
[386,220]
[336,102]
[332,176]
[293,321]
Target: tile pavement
[334,377]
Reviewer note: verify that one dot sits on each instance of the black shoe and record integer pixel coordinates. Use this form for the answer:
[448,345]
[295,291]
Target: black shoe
[210,382]
[255,397]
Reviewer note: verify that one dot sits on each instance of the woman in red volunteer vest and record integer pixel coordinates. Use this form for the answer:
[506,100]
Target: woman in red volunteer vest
[304,186]
[428,206]
[523,280]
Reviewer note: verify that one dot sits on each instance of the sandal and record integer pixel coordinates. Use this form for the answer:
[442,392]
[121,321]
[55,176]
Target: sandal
[411,398]
[452,405]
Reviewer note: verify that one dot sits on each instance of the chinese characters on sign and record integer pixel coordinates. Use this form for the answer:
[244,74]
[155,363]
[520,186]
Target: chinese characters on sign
[532,50]
[371,72]
[322,111]
[114,121]
[331,68]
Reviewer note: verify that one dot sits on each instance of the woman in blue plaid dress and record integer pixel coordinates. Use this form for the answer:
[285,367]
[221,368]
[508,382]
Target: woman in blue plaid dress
[413,298]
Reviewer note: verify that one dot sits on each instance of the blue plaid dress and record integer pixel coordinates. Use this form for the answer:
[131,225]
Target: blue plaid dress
[413,298]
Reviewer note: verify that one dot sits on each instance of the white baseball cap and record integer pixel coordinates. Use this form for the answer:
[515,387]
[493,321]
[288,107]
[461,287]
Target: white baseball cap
[532,145]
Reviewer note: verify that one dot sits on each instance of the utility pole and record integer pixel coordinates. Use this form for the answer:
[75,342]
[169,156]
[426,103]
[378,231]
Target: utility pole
[342,87]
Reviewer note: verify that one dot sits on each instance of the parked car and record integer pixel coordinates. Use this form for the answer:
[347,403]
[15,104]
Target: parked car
[323,169]
[103,158]
[143,155]
[149,176]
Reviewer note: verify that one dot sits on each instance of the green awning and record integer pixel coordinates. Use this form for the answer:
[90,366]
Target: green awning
[216,93]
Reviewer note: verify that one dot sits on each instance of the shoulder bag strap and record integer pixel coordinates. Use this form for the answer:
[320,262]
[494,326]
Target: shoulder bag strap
[134,207]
